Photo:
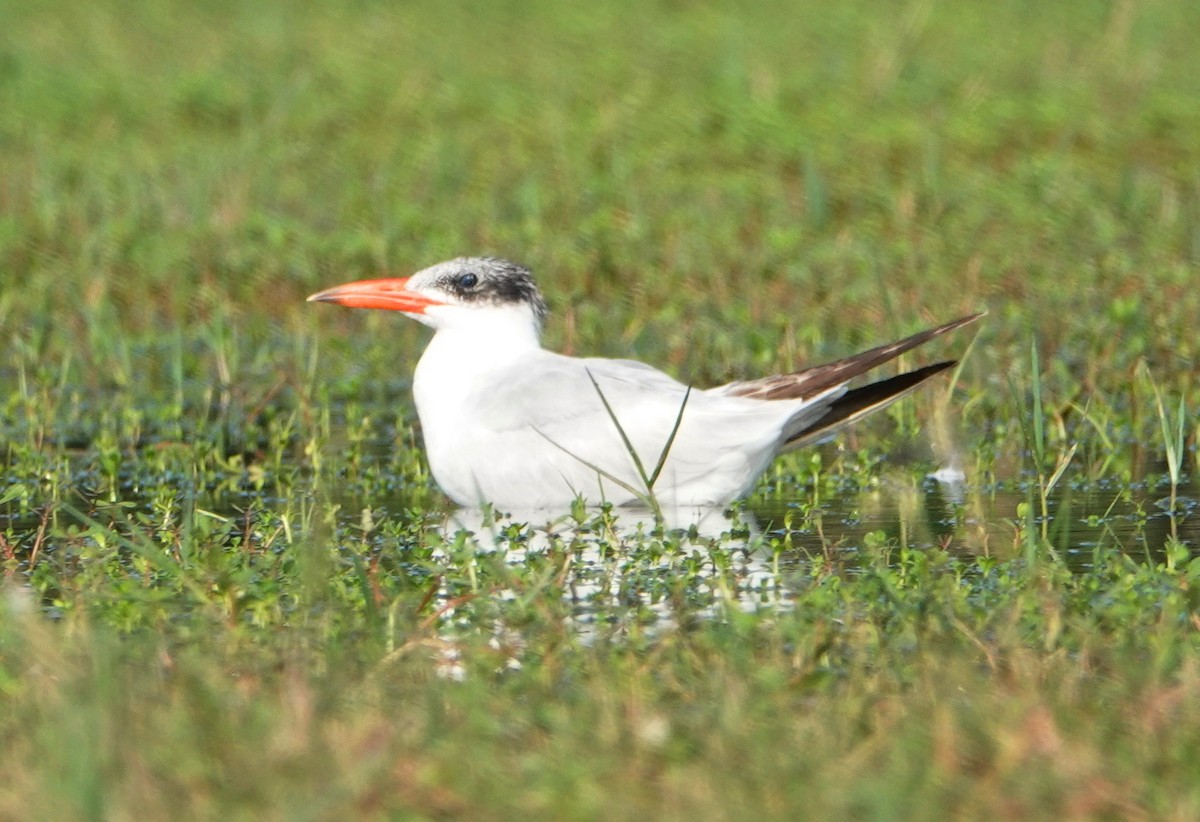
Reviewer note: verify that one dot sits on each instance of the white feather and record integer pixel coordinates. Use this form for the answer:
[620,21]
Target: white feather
[510,423]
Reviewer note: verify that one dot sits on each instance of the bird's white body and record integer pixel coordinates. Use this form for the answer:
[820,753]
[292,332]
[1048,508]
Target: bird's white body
[509,423]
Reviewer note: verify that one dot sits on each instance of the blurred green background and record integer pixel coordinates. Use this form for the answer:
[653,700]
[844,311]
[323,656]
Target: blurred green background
[718,188]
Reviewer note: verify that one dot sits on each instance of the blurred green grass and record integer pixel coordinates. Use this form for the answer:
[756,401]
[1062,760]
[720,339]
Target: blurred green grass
[673,174]
[719,189]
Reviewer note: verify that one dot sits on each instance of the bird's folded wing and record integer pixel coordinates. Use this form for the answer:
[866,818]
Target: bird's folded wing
[578,418]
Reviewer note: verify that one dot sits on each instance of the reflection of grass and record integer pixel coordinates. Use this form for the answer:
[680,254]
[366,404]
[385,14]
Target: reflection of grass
[221,588]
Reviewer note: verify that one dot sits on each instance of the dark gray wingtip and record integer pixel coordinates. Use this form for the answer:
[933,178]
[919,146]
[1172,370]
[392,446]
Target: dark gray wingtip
[859,402]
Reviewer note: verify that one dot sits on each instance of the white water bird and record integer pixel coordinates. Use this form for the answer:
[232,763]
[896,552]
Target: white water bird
[509,423]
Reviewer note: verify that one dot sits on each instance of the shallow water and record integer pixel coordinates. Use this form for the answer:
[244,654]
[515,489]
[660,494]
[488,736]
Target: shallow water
[617,563]
[1135,518]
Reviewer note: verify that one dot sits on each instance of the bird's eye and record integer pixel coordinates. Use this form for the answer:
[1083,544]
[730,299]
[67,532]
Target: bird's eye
[468,280]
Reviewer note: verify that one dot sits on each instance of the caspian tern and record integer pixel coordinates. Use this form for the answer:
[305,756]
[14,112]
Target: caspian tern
[509,423]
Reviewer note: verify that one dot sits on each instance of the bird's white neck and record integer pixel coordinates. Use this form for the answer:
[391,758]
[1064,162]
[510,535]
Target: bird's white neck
[494,335]
[462,351]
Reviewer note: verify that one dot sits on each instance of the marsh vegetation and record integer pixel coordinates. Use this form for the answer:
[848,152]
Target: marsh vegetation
[230,588]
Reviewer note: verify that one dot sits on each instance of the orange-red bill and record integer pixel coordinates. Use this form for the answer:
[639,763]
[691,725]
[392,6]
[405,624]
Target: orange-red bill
[391,294]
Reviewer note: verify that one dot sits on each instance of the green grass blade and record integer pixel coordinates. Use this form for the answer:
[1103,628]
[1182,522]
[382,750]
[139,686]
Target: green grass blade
[641,495]
[1039,427]
[637,461]
[662,458]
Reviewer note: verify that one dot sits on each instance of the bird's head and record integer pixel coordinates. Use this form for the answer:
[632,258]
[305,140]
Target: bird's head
[464,292]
